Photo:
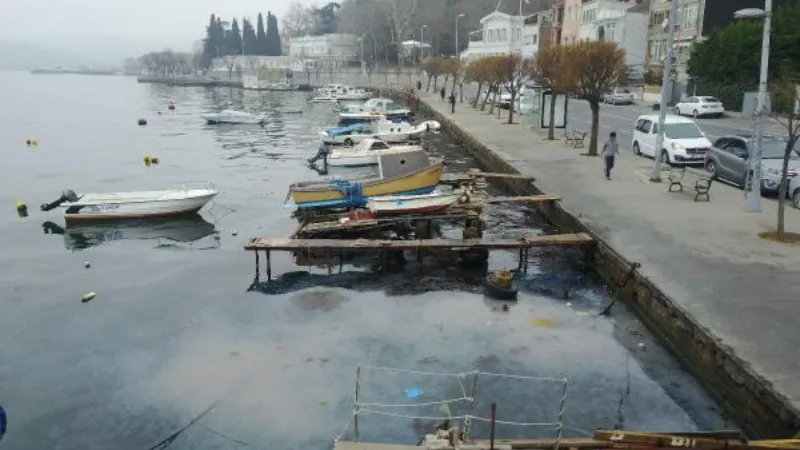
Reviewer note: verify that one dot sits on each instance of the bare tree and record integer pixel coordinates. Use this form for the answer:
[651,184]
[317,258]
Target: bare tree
[298,21]
[785,93]
[402,14]
[592,69]
[512,70]
[548,71]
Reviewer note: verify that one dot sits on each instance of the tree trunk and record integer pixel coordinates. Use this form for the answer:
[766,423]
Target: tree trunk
[486,98]
[478,95]
[551,129]
[446,79]
[428,86]
[494,100]
[461,92]
[511,108]
[435,81]
[780,228]
[453,86]
[595,107]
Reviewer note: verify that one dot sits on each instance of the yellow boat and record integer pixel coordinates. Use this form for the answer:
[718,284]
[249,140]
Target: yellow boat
[401,172]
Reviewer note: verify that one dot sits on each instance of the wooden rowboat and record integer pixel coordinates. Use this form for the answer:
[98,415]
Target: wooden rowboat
[405,204]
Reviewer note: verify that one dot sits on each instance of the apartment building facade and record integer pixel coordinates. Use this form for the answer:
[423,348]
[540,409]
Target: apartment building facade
[503,33]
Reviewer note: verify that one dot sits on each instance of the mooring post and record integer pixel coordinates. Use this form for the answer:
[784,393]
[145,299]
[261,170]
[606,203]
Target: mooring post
[492,424]
[329,262]
[340,262]
[269,265]
[355,402]
[258,265]
[521,258]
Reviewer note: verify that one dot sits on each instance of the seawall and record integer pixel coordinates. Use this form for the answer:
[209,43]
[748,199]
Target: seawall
[747,398]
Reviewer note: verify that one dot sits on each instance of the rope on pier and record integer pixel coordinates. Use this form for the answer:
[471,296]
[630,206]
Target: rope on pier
[407,405]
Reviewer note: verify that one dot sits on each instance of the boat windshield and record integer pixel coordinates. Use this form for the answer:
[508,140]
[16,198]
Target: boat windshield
[686,130]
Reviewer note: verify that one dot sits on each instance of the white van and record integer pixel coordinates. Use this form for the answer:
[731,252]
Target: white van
[684,141]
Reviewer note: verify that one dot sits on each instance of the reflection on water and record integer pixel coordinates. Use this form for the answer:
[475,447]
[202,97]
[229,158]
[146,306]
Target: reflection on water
[184,230]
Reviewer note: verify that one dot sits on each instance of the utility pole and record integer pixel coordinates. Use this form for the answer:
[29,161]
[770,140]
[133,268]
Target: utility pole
[666,90]
[754,191]
[456,48]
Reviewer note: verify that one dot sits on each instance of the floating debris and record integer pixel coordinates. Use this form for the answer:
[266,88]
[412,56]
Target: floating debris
[413,393]
[87,264]
[142,122]
[88,297]
[235,353]
[546,323]
[32,143]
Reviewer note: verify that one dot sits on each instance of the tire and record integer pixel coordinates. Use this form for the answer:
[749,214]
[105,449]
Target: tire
[636,150]
[677,111]
[796,198]
[711,167]
[665,157]
[348,142]
[695,114]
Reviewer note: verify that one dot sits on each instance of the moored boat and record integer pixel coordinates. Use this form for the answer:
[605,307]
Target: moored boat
[339,92]
[230,116]
[133,205]
[371,108]
[382,128]
[413,204]
[365,153]
[400,172]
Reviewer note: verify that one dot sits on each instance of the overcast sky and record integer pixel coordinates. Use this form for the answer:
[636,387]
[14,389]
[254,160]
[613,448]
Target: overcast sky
[173,23]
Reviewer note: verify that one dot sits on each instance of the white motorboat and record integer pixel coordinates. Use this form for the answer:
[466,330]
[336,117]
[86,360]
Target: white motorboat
[339,92]
[233,117]
[382,129]
[365,153]
[134,205]
[371,108]
[324,96]
[413,204]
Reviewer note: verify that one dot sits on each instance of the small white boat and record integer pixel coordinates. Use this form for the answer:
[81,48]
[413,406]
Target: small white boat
[324,96]
[365,153]
[134,205]
[371,108]
[233,117]
[339,92]
[413,204]
[382,129]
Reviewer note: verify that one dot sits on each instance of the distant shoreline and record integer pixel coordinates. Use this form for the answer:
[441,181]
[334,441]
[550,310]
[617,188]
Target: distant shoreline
[79,72]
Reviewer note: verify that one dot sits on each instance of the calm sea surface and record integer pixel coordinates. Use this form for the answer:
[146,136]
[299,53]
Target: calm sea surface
[173,329]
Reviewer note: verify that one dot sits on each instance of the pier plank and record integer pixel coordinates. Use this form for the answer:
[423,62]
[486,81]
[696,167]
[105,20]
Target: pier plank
[525,199]
[350,445]
[569,239]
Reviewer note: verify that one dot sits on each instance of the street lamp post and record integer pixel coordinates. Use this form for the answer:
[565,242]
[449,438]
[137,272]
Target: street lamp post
[754,186]
[422,41]
[666,89]
[457,17]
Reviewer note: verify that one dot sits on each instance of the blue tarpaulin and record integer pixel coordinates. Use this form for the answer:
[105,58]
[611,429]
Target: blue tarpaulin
[3,422]
[413,393]
[333,132]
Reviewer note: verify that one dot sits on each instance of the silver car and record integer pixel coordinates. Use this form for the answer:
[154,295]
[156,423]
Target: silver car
[729,159]
[619,96]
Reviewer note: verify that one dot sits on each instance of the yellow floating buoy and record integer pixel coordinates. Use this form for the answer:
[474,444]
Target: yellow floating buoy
[150,160]
[88,297]
[546,323]
[22,209]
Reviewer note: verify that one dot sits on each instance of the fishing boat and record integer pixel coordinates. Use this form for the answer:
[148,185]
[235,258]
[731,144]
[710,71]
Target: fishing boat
[400,172]
[413,204]
[365,153]
[133,205]
[371,108]
[382,128]
[324,96]
[183,230]
[339,92]
[230,116]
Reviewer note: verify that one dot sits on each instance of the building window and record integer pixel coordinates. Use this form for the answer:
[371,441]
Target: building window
[601,33]
[535,38]
[611,32]
[689,17]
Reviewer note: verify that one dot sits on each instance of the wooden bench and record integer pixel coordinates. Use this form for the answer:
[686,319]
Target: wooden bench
[574,138]
[695,180]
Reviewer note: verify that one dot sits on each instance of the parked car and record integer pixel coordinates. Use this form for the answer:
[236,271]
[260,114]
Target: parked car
[729,159]
[794,192]
[619,96]
[700,106]
[684,141]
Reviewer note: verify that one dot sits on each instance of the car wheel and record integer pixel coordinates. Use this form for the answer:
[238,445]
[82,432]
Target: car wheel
[665,157]
[796,198]
[677,111]
[711,167]
[348,142]
[636,150]
[695,114]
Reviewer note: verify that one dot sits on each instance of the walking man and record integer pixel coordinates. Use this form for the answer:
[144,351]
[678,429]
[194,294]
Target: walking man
[442,92]
[610,151]
[452,100]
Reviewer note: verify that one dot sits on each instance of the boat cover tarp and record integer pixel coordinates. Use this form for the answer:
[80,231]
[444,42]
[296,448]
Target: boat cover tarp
[352,191]
[333,132]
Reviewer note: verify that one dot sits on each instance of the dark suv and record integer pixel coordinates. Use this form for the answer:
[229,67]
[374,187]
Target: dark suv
[729,159]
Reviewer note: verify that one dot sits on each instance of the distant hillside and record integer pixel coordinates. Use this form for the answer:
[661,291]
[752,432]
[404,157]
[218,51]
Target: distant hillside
[22,56]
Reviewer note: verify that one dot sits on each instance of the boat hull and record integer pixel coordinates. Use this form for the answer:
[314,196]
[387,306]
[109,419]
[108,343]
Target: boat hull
[412,204]
[146,209]
[352,160]
[356,138]
[419,182]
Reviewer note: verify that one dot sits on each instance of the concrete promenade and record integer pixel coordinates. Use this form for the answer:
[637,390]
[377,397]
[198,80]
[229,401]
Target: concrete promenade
[706,256]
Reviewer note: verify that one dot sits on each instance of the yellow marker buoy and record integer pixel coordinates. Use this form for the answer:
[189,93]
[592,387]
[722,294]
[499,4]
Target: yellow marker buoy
[22,209]
[546,323]
[148,160]
[88,297]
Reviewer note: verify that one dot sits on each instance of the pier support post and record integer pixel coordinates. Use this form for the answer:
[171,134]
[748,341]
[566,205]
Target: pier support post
[258,266]
[422,229]
[269,265]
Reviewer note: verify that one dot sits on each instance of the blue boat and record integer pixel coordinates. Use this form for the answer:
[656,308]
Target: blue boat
[361,127]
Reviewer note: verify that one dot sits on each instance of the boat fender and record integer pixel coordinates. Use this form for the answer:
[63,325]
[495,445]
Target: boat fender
[22,209]
[142,122]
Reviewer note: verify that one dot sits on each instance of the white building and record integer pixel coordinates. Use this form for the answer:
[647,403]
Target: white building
[502,34]
[334,47]
[620,21]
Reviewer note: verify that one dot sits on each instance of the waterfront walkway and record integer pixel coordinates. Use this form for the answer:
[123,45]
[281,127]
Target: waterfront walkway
[706,256]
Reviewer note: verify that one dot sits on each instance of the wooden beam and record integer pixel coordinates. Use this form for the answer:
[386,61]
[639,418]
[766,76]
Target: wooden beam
[525,199]
[569,239]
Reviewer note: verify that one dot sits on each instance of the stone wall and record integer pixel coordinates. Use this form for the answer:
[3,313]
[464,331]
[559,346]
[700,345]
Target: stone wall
[746,397]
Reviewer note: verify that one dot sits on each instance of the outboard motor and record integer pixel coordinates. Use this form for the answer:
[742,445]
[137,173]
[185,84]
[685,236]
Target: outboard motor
[66,196]
[322,153]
